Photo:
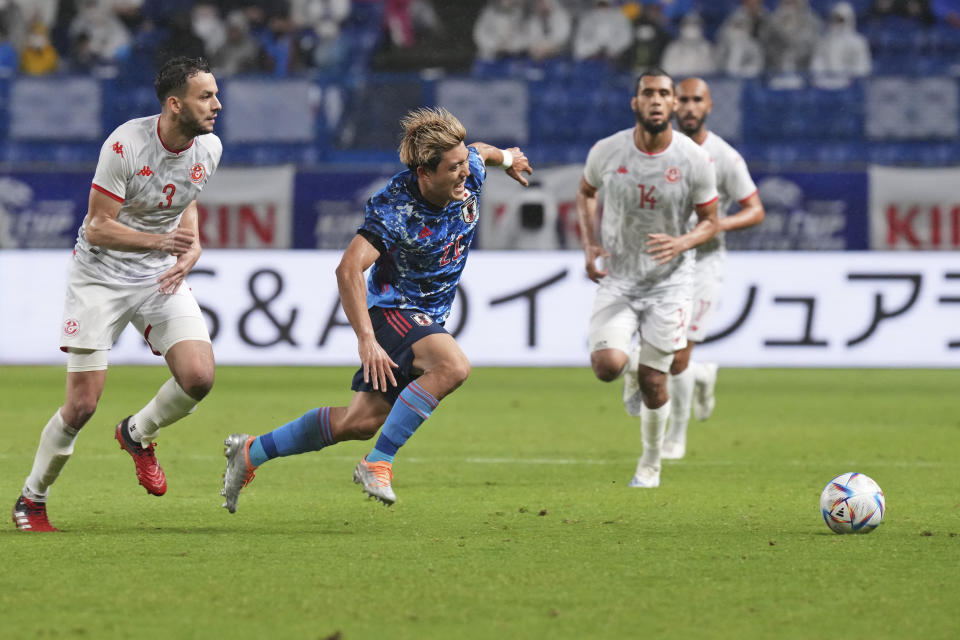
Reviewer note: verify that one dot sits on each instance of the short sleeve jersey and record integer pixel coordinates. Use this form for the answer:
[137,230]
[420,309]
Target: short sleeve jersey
[424,248]
[733,182]
[154,184]
[646,193]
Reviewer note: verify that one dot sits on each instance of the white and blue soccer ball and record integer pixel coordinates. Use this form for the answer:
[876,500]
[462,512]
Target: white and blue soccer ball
[852,503]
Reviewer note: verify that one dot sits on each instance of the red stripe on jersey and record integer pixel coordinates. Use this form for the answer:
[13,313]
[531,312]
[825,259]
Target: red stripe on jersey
[744,199]
[97,187]
[715,198]
[393,323]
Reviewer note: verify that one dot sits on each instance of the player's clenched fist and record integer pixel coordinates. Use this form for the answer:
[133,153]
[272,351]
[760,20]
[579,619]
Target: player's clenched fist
[178,241]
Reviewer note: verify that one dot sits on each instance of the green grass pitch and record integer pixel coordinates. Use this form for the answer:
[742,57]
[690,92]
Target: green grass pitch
[513,520]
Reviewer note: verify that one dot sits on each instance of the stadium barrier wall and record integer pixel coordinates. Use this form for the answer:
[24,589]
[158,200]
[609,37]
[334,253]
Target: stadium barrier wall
[778,309]
[281,207]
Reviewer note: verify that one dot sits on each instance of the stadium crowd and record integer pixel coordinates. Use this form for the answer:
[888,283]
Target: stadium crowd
[280,37]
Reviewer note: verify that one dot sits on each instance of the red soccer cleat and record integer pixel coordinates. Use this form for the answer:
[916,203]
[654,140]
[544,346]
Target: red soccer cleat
[149,473]
[31,516]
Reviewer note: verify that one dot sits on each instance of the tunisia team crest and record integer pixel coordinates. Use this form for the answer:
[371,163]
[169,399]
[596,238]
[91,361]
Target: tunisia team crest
[672,175]
[70,327]
[197,173]
[468,210]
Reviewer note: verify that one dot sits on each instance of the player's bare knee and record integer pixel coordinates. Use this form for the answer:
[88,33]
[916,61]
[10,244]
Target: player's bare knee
[78,410]
[197,384]
[605,369]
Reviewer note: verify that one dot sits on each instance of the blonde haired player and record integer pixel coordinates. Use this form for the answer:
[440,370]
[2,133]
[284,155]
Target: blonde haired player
[694,382]
[138,242]
[651,179]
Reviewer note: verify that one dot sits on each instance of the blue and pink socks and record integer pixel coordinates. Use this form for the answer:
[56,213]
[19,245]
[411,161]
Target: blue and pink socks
[413,406]
[309,432]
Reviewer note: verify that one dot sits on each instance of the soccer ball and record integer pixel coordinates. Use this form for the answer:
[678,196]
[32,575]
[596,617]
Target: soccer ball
[852,503]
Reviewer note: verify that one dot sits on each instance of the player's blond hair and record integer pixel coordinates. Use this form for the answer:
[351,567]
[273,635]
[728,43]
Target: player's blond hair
[427,133]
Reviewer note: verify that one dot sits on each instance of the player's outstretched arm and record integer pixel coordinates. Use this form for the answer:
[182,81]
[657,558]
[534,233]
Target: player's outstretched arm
[103,230]
[377,365]
[750,214]
[513,160]
[663,247]
[171,280]
[587,219]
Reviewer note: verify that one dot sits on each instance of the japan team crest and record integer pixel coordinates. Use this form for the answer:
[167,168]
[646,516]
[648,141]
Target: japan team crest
[197,173]
[421,319]
[468,210]
[672,175]
[70,327]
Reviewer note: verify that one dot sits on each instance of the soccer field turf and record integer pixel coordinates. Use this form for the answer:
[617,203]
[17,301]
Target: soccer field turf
[513,517]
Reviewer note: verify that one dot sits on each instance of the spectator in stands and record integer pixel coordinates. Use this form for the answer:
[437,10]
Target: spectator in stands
[109,38]
[842,52]
[208,25]
[320,21]
[8,56]
[920,10]
[751,12]
[83,59]
[44,11]
[603,32]
[241,52]
[180,40]
[38,57]
[739,54]
[790,37]
[691,54]
[499,30]
[548,29]
[946,12]
[650,36]
[13,23]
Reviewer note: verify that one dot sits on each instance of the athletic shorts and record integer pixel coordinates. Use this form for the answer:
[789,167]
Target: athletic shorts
[707,282]
[95,313]
[397,330]
[659,317]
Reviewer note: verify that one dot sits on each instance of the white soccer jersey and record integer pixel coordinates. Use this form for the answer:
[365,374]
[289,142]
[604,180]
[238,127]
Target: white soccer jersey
[646,193]
[155,184]
[733,182]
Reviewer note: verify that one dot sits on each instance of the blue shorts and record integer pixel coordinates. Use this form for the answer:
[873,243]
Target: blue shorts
[397,330]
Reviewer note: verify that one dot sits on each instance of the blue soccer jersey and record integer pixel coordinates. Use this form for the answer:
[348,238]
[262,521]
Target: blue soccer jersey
[424,248]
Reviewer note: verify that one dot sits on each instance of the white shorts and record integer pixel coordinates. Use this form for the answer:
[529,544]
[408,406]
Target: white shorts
[659,317]
[95,313]
[707,282]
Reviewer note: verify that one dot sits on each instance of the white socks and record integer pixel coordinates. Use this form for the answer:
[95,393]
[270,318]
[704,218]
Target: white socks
[680,388]
[652,425]
[169,405]
[56,446]
[699,370]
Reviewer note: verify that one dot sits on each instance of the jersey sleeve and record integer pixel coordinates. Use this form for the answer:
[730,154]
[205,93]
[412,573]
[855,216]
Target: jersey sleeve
[376,222]
[737,182]
[115,166]
[704,180]
[216,152]
[593,169]
[478,170]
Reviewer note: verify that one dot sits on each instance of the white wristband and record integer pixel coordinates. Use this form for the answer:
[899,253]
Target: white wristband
[507,159]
